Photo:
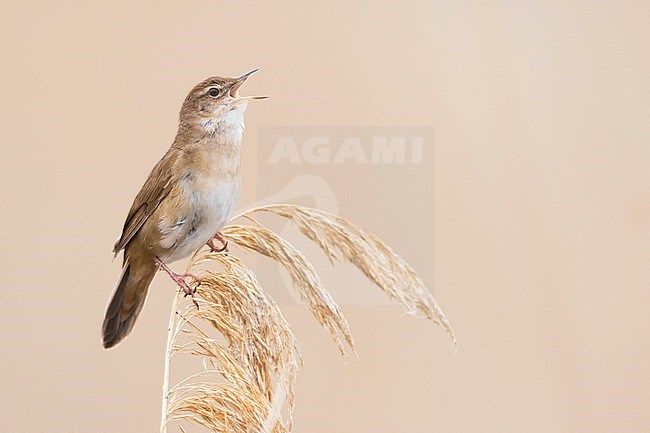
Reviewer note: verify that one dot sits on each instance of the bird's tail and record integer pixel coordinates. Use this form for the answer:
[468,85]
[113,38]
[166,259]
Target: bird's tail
[127,302]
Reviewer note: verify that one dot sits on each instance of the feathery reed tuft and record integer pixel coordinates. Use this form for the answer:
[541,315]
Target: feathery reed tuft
[378,262]
[249,373]
[251,364]
[302,273]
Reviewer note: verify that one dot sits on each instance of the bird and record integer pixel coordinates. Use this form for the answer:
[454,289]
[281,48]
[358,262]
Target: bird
[186,200]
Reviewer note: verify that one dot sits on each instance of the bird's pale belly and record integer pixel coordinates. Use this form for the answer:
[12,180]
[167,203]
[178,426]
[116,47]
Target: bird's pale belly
[208,207]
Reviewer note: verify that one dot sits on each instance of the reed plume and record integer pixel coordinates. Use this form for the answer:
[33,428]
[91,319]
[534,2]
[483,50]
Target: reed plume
[250,355]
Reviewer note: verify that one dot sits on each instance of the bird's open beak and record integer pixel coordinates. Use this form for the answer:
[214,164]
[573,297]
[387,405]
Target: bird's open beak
[234,90]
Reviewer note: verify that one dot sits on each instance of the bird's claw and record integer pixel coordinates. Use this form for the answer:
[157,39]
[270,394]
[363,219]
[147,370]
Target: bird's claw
[224,248]
[220,238]
[180,280]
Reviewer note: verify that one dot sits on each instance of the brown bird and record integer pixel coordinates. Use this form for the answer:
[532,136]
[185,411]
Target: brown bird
[188,197]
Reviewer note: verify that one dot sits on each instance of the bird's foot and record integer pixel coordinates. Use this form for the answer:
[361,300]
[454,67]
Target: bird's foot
[180,280]
[221,239]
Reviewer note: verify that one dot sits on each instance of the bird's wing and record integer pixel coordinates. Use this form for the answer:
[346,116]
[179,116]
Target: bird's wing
[155,189]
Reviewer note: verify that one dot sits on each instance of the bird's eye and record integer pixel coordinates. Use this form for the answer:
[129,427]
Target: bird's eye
[213,91]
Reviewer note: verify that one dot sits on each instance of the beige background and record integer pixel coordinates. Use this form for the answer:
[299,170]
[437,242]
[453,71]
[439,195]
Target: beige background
[542,216]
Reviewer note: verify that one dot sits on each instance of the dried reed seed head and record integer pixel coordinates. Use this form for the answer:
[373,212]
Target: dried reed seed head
[253,367]
[339,237]
[303,277]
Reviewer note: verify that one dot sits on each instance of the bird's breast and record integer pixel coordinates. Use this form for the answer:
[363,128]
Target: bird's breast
[214,201]
[206,204]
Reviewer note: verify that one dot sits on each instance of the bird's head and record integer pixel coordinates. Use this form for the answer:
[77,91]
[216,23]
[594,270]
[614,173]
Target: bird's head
[215,103]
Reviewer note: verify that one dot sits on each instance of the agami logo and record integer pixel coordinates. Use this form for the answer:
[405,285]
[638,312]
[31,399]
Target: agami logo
[349,149]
